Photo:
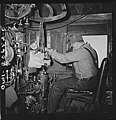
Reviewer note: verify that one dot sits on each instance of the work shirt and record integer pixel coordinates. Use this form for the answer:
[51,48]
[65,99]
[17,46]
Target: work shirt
[81,59]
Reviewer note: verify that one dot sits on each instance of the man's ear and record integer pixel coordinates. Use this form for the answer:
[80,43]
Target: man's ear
[76,43]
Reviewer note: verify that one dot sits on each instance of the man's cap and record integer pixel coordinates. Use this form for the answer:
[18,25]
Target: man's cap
[78,37]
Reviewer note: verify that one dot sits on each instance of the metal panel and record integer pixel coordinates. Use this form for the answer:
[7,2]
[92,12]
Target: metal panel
[100,29]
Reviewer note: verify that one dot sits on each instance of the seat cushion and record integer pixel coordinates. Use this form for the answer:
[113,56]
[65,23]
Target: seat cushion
[79,95]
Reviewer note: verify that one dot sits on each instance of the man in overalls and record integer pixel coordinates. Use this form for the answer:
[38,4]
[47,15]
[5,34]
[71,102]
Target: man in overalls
[84,74]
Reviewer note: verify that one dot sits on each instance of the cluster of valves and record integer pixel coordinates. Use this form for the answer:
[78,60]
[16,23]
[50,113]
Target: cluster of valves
[37,85]
[37,92]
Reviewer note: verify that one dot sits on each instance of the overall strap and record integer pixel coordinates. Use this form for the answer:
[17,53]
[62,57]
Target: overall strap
[94,60]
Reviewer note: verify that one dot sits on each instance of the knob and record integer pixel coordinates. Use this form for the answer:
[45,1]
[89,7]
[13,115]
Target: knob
[3,50]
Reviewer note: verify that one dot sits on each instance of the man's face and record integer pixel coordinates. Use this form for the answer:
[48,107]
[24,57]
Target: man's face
[72,38]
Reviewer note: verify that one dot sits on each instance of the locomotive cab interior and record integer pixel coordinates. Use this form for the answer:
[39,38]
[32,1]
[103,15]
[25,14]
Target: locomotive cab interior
[28,72]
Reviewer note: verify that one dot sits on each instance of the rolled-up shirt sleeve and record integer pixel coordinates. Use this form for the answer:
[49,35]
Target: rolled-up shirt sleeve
[76,55]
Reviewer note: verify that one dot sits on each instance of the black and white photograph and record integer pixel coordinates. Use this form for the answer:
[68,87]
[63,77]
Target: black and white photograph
[56,59]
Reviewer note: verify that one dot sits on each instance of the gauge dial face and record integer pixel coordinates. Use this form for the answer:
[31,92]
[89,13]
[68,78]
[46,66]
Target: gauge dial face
[9,54]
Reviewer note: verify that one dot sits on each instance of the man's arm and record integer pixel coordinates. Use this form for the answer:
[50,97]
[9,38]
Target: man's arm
[73,56]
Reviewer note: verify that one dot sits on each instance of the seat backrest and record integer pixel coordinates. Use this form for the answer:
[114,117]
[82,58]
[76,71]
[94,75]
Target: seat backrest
[95,60]
[102,76]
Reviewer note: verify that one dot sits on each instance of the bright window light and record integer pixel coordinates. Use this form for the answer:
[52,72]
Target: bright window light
[99,43]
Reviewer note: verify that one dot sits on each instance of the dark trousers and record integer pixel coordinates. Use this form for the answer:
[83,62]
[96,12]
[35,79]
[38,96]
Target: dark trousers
[59,87]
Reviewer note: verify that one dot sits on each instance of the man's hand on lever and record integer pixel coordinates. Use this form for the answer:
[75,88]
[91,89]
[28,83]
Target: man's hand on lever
[47,54]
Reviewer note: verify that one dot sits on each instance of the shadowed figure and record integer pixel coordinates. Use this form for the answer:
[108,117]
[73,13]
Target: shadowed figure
[84,70]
